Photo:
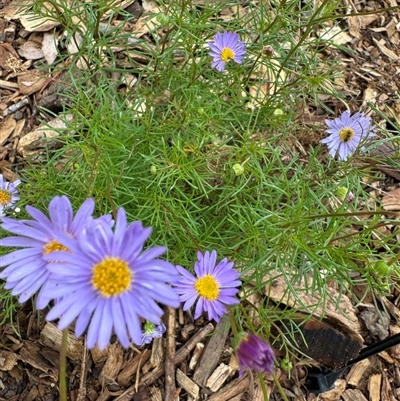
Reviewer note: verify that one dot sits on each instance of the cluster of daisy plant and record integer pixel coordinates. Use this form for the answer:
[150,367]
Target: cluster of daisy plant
[185,180]
[65,258]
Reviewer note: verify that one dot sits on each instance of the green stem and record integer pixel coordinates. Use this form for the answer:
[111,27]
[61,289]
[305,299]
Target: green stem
[232,322]
[263,387]
[63,366]
[282,393]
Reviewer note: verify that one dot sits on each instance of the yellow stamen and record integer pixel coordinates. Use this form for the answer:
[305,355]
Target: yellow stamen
[227,54]
[207,287]
[346,134]
[5,197]
[111,276]
[53,246]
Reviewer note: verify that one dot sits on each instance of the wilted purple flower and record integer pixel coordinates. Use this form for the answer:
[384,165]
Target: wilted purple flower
[27,269]
[152,331]
[346,133]
[226,46]
[8,193]
[215,286]
[254,353]
[268,51]
[107,282]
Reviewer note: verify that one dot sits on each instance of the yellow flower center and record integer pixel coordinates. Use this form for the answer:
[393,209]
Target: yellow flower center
[207,287]
[111,276]
[53,246]
[5,197]
[227,54]
[346,134]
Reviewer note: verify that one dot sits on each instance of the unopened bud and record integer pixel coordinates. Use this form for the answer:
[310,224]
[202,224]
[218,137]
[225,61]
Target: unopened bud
[238,169]
[268,51]
[344,195]
[278,112]
[286,365]
[162,18]
[153,170]
[382,269]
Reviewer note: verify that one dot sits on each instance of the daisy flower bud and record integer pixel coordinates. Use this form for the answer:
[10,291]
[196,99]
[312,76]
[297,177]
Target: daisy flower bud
[254,353]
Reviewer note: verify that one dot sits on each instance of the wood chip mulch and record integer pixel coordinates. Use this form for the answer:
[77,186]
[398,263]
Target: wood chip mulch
[195,360]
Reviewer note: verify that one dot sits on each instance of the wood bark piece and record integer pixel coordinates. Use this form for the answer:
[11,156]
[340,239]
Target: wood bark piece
[51,337]
[99,356]
[394,351]
[357,372]
[196,355]
[219,376]
[31,82]
[386,390]
[335,393]
[157,352]
[130,369]
[325,344]
[6,129]
[113,364]
[84,369]
[235,387]
[181,355]
[374,387]
[210,357]
[343,315]
[170,356]
[187,384]
[8,360]
[353,395]
[31,353]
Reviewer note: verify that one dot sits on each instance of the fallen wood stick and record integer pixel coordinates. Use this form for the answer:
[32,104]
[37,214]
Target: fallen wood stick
[181,355]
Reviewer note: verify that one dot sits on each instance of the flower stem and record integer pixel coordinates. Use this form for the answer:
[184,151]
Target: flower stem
[63,366]
[277,384]
[263,387]
[232,322]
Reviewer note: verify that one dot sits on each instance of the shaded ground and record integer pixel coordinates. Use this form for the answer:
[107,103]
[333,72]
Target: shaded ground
[29,361]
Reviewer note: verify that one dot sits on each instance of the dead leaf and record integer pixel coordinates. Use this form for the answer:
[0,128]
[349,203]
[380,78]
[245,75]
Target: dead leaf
[335,34]
[49,47]
[31,50]
[391,200]
[43,136]
[376,323]
[360,22]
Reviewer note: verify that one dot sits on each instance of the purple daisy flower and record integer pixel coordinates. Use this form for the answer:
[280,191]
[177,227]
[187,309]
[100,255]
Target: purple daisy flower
[8,193]
[346,133]
[152,331]
[110,282]
[254,353]
[214,286]
[226,46]
[26,269]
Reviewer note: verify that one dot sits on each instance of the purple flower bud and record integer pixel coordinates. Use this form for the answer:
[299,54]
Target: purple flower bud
[254,353]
